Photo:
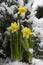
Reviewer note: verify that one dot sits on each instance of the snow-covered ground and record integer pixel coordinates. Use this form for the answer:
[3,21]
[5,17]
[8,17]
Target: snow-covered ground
[17,63]
[34,62]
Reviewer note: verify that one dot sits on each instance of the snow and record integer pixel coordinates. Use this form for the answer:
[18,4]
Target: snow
[9,11]
[1,16]
[3,4]
[34,62]
[28,6]
[34,19]
[37,61]
[13,7]
[37,22]
[37,3]
[10,1]
[37,31]
[21,2]
[30,50]
[7,0]
[2,8]
[17,63]
[15,16]
[41,44]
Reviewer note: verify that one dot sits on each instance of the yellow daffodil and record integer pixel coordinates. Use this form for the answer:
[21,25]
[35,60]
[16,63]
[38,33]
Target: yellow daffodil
[21,10]
[26,32]
[13,27]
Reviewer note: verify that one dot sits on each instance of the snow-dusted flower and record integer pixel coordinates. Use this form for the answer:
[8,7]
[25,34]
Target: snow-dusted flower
[13,27]
[21,10]
[26,32]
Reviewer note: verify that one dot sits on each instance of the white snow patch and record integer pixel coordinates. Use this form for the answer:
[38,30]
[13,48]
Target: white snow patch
[37,61]
[37,22]
[9,10]
[30,50]
[37,30]
[34,62]
[13,7]
[17,63]
[21,2]
[41,45]
[15,16]
[37,3]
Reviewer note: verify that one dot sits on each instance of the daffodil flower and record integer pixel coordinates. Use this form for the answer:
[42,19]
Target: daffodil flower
[26,32]
[13,27]
[21,10]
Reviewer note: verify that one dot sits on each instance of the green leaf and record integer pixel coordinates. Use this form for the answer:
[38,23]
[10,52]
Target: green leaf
[25,44]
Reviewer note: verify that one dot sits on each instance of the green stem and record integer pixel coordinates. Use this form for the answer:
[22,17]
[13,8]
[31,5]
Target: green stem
[19,38]
[15,42]
[14,47]
[30,57]
[30,46]
[11,47]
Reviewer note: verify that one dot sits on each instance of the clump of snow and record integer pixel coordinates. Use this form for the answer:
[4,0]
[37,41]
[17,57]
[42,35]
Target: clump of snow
[36,22]
[30,50]
[41,45]
[21,2]
[9,10]
[37,61]
[34,19]
[37,31]
[3,4]
[39,23]
[13,7]
[28,6]
[41,34]
[2,8]
[15,16]
[1,16]
[37,3]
